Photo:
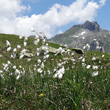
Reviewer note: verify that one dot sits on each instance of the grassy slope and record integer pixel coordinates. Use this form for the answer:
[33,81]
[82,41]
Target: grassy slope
[75,91]
[62,38]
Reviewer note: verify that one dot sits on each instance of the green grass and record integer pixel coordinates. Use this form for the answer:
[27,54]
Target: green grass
[77,90]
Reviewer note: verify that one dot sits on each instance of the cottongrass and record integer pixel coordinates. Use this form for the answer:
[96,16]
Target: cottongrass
[95,73]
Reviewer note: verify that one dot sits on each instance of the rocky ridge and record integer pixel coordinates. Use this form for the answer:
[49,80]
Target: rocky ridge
[88,36]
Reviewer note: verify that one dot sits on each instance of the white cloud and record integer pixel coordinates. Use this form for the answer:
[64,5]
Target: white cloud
[10,8]
[12,21]
[102,2]
[59,32]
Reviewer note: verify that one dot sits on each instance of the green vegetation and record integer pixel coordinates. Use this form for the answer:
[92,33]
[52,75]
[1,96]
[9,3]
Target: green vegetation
[48,82]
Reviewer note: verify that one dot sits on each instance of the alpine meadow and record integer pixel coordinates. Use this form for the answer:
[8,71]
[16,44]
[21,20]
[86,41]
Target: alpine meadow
[54,55]
[38,75]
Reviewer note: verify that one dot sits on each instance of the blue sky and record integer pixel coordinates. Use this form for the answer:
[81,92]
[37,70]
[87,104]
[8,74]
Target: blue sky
[51,16]
[42,6]
[103,16]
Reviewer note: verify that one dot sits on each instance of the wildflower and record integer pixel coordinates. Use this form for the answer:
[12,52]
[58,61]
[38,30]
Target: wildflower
[103,56]
[88,66]
[60,50]
[20,66]
[12,56]
[60,76]
[25,43]
[14,50]
[47,55]
[20,37]
[47,51]
[46,44]
[83,64]
[95,73]
[55,75]
[26,38]
[9,48]
[59,73]
[14,67]
[72,54]
[99,61]
[39,70]
[54,69]
[95,67]
[44,48]
[39,61]
[98,47]
[75,105]
[84,47]
[1,71]
[48,71]
[42,65]
[91,82]
[5,67]
[17,71]
[36,42]
[41,94]
[29,59]
[7,43]
[59,64]
[87,47]
[80,58]
[18,46]
[36,37]
[38,49]
[83,60]
[94,58]
[37,53]
[23,51]
[8,62]
[34,69]
[73,59]
[21,56]
[35,65]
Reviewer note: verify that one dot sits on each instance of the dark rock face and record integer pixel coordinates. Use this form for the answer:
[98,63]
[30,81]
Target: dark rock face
[91,26]
[79,51]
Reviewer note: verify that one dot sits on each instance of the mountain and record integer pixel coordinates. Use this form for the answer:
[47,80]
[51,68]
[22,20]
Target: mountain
[88,36]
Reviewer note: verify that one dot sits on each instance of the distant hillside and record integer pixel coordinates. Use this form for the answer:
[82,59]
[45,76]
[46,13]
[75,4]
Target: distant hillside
[88,36]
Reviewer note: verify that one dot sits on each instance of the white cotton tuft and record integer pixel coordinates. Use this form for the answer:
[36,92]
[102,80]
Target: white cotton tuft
[95,73]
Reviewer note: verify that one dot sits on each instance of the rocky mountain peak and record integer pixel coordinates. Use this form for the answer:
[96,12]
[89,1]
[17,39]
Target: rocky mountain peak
[91,26]
[88,36]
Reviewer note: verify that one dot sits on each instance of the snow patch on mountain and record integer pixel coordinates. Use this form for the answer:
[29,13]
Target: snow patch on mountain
[82,33]
[75,36]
